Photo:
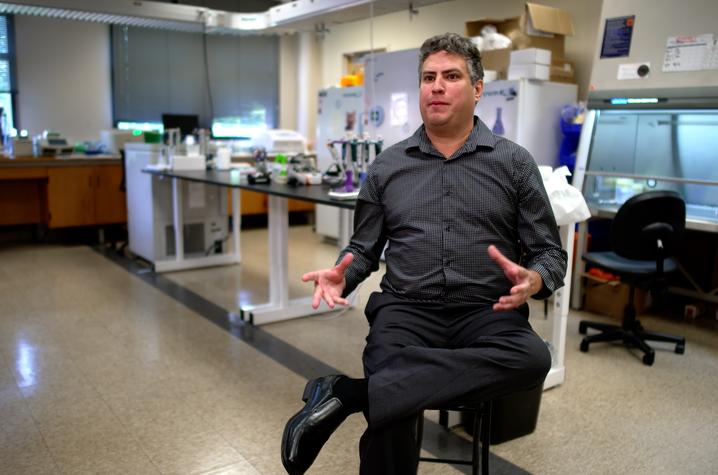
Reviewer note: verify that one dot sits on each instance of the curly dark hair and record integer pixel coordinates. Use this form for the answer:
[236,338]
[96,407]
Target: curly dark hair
[454,44]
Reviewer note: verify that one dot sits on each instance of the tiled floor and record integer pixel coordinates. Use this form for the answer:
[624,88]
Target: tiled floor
[103,370]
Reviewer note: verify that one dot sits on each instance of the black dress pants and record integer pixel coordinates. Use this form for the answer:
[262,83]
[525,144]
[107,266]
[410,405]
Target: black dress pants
[423,355]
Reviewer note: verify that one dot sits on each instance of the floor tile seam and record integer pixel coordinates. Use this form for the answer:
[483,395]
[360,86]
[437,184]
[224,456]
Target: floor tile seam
[29,409]
[201,433]
[124,422]
[128,430]
[49,452]
[134,437]
[239,452]
[230,326]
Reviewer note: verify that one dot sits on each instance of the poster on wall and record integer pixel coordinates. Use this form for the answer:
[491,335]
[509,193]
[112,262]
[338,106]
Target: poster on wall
[617,36]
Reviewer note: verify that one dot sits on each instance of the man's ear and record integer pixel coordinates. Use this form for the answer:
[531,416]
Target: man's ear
[478,90]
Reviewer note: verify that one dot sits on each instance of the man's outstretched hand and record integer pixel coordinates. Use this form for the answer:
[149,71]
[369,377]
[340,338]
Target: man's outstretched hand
[526,282]
[329,283]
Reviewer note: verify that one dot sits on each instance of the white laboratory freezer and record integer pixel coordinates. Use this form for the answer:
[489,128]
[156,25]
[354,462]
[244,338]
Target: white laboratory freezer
[150,222]
[527,112]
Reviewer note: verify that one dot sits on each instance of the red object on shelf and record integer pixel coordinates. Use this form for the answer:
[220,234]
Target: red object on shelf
[602,274]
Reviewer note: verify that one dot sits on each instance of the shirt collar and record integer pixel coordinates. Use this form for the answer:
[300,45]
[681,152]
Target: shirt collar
[480,136]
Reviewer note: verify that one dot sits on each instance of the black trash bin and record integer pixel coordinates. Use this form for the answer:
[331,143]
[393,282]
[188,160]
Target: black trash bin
[512,416]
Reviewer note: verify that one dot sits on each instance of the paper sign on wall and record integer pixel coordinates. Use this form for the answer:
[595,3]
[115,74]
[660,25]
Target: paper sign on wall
[711,59]
[689,53]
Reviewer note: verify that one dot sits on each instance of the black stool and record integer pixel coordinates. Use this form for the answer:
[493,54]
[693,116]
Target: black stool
[482,433]
[514,415]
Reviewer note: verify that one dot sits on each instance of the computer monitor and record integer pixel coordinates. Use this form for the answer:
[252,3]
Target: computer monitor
[187,123]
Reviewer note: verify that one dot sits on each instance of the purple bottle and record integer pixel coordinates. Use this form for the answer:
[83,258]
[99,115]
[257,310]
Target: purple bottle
[349,181]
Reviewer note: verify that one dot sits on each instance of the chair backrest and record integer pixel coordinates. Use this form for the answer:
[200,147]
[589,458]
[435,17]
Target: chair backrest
[643,220]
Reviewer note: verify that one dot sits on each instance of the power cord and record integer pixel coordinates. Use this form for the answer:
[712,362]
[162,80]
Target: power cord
[215,245]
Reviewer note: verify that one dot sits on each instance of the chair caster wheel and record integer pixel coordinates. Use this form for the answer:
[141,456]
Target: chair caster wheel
[582,328]
[648,358]
[584,346]
[680,348]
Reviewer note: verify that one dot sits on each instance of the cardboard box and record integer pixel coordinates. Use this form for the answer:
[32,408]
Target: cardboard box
[496,60]
[562,71]
[610,298]
[531,56]
[538,26]
[529,71]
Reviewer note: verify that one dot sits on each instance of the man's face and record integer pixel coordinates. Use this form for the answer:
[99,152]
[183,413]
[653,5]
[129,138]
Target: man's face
[448,97]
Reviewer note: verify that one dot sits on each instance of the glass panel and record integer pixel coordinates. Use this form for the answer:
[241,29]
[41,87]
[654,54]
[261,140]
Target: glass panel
[4,75]
[614,142]
[698,144]
[4,48]
[611,192]
[6,104]
[677,144]
[655,153]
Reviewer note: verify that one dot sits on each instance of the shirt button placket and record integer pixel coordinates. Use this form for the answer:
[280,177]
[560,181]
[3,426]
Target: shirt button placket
[445,213]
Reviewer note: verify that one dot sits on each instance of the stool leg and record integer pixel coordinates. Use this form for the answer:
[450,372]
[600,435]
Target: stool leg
[419,433]
[478,423]
[444,418]
[485,437]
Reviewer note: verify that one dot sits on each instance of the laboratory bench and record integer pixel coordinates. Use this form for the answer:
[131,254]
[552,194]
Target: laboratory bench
[62,191]
[80,190]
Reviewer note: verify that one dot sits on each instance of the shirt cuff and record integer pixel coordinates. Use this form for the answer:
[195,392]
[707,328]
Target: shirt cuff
[547,287]
[352,281]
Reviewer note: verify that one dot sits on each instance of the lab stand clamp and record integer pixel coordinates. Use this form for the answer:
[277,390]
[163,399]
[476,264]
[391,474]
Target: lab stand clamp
[348,171]
[295,169]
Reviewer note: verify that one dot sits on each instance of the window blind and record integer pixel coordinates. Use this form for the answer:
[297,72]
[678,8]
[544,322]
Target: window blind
[159,72]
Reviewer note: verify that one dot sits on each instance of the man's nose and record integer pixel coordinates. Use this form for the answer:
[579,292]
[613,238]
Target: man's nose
[437,85]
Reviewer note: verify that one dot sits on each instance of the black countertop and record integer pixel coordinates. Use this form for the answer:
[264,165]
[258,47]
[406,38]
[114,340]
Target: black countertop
[231,179]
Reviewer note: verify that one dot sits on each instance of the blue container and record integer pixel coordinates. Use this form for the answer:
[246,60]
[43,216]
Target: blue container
[569,144]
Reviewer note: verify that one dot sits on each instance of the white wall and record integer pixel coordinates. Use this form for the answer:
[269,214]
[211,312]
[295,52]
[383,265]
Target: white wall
[397,31]
[63,76]
[288,67]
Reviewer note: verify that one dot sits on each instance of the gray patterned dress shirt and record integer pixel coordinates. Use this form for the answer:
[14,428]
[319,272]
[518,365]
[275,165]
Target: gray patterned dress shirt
[439,216]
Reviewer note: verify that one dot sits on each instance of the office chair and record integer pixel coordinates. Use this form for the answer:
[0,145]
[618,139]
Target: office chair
[644,234]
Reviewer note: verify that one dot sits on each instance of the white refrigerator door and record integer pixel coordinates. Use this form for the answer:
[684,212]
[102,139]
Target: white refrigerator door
[392,95]
[498,108]
[530,112]
[340,111]
[539,118]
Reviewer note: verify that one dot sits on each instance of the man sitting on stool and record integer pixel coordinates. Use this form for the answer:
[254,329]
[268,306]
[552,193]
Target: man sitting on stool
[460,207]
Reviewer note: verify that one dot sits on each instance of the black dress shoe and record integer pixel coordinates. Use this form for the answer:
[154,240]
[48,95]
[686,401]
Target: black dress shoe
[307,431]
